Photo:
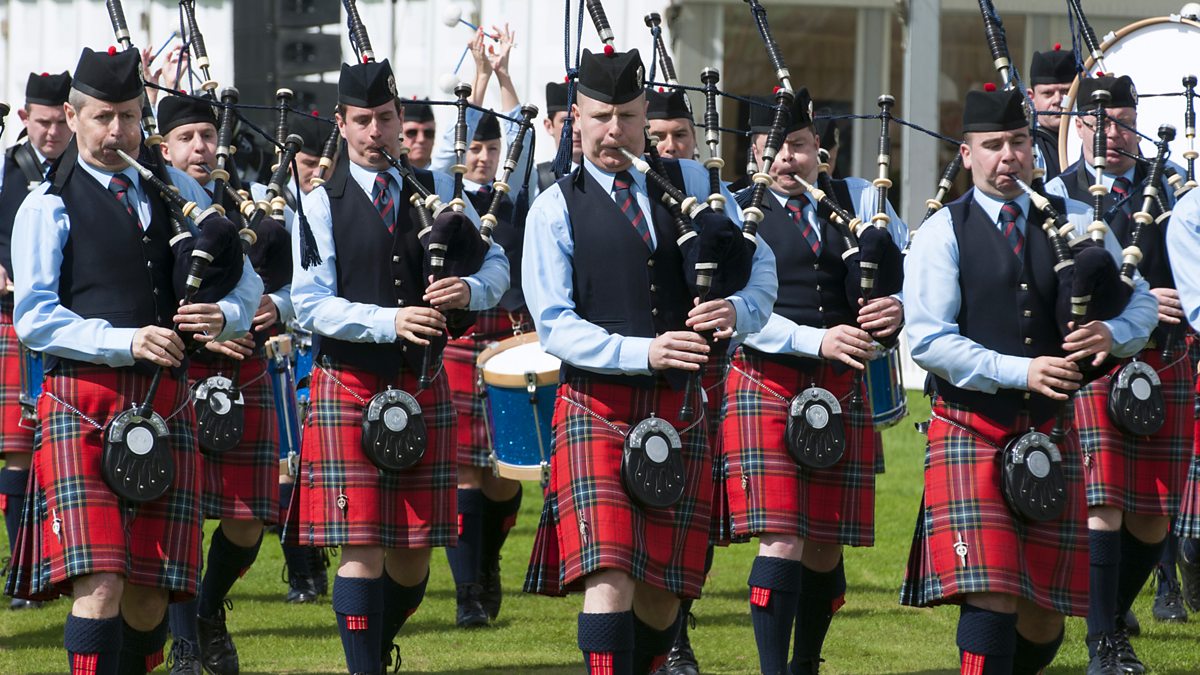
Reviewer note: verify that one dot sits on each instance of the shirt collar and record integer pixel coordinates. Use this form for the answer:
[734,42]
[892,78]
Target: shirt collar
[472,185]
[783,199]
[366,177]
[1109,178]
[605,179]
[105,177]
[992,205]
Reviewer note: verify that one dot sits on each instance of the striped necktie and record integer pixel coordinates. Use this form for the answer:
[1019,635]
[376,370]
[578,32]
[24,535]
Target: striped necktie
[797,206]
[1009,213]
[623,195]
[382,199]
[1120,189]
[119,186]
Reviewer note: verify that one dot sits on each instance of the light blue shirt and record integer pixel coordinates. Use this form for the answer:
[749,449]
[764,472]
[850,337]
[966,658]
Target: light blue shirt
[933,300]
[314,290]
[282,297]
[443,157]
[1058,187]
[784,336]
[546,274]
[40,233]
[1183,250]
[510,135]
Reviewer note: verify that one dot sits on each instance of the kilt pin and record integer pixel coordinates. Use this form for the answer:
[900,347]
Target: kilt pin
[243,483]
[768,491]
[588,521]
[968,541]
[345,500]
[466,392]
[15,435]
[74,524]
[1139,474]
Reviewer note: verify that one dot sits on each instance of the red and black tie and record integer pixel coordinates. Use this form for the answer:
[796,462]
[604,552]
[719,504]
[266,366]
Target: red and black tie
[119,186]
[382,198]
[1009,213]
[1120,189]
[623,195]
[797,206]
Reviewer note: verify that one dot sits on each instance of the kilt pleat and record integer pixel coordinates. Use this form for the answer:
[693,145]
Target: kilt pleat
[1139,474]
[243,483]
[76,525]
[771,493]
[414,508]
[15,436]
[1187,523]
[715,376]
[492,325]
[587,515]
[968,541]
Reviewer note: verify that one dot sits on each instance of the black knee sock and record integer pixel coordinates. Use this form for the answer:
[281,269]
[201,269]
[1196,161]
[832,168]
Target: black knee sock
[821,595]
[606,641]
[226,563]
[181,616]
[93,645]
[708,559]
[774,588]
[650,646]
[12,485]
[1032,657]
[358,604]
[987,641]
[1104,554]
[141,651]
[464,558]
[399,603]
[498,519]
[1138,559]
[681,622]
[1166,563]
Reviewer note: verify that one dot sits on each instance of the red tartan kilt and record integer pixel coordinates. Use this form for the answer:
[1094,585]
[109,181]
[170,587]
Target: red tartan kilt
[768,491]
[155,544]
[414,508]
[15,437]
[1139,474]
[243,483]
[588,521]
[715,375]
[459,357]
[1046,563]
[1187,523]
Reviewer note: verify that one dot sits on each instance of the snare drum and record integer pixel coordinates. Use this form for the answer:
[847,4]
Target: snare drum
[302,354]
[283,393]
[31,373]
[521,383]
[885,386]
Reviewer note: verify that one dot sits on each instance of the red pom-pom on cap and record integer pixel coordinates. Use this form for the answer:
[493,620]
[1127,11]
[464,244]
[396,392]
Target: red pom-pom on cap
[661,90]
[566,78]
[1099,73]
[609,50]
[1057,46]
[316,114]
[776,89]
[45,74]
[112,50]
[365,59]
[989,86]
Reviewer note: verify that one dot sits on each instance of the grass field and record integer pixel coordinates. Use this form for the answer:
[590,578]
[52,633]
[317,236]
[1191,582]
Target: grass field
[871,634]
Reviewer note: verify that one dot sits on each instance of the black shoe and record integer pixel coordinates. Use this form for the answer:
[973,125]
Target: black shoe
[217,653]
[301,586]
[1168,601]
[387,660]
[1105,662]
[491,594]
[470,612]
[1130,624]
[681,660]
[20,603]
[1126,659]
[1189,574]
[183,659]
[806,667]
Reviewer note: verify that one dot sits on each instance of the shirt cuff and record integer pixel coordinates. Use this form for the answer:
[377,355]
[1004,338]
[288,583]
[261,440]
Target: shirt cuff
[383,325]
[1013,372]
[1125,343]
[739,314]
[806,341]
[478,301]
[116,346]
[232,313]
[283,306]
[634,355]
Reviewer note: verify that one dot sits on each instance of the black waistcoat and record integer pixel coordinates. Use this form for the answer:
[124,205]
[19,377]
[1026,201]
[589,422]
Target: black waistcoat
[1007,305]
[375,267]
[1047,144]
[509,233]
[1155,266]
[18,180]
[545,176]
[618,283]
[111,269]
[812,287]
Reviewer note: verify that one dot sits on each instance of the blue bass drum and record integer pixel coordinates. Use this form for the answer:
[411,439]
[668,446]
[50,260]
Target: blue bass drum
[283,393]
[885,386]
[521,383]
[31,373]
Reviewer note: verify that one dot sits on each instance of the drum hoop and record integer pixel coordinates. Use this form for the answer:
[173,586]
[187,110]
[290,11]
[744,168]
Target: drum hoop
[512,380]
[1063,140]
